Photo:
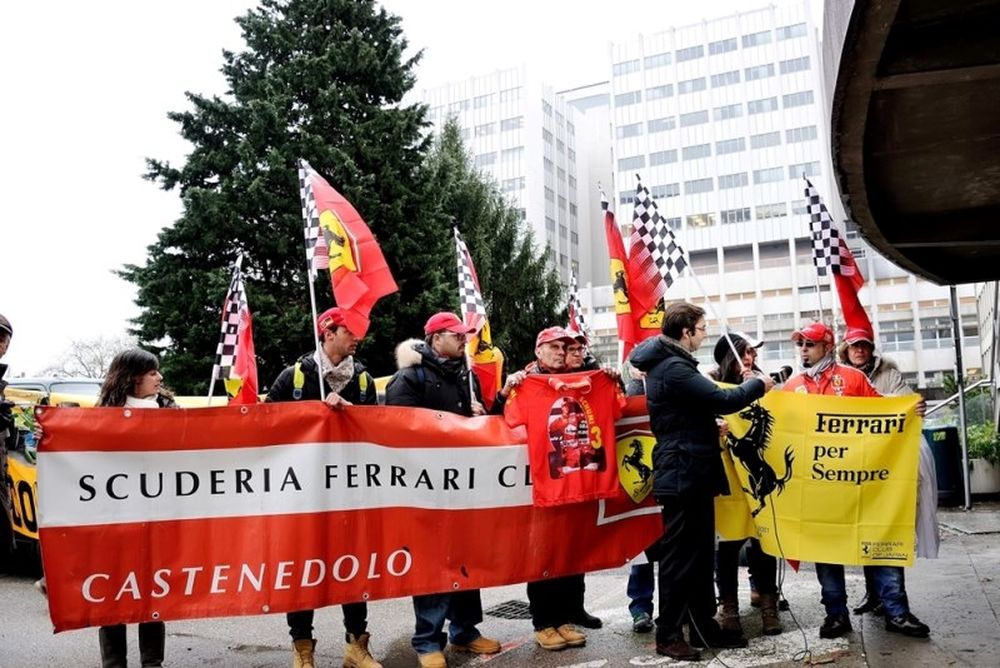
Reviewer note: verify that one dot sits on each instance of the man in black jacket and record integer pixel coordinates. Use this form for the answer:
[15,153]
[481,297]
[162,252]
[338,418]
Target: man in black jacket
[345,382]
[433,374]
[687,475]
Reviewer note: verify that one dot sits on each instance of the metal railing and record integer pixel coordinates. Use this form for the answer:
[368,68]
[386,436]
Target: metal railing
[954,397]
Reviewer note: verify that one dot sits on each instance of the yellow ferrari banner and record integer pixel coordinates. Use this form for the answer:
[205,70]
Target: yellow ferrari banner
[824,478]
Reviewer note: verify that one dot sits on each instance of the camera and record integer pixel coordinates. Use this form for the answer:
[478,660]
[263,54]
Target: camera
[781,375]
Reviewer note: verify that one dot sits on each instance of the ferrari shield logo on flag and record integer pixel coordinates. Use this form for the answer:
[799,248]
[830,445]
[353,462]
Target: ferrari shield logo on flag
[653,318]
[620,287]
[342,247]
[635,462]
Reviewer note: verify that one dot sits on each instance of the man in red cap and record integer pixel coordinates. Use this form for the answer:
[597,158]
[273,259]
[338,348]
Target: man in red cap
[433,374]
[345,382]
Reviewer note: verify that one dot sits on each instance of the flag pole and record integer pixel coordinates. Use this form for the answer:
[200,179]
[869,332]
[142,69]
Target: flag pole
[311,273]
[211,382]
[315,316]
[725,325]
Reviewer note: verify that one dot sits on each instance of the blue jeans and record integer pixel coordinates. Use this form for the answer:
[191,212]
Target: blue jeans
[641,583]
[888,581]
[463,609]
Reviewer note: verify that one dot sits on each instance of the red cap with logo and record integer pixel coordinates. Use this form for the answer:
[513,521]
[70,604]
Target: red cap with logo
[446,322]
[330,318]
[550,334]
[858,334]
[816,332]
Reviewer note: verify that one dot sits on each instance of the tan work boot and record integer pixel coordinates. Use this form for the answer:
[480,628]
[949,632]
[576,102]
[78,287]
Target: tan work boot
[770,624]
[572,637]
[550,639]
[729,617]
[356,654]
[481,645]
[432,660]
[302,654]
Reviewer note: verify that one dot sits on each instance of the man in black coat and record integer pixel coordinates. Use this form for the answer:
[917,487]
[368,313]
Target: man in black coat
[345,382]
[433,374]
[687,475]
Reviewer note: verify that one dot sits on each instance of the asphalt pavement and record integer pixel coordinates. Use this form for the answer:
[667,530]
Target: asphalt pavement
[958,595]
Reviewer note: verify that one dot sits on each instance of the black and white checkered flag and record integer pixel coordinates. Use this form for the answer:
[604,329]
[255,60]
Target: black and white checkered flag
[576,321]
[656,238]
[236,302]
[316,251]
[827,242]
[470,299]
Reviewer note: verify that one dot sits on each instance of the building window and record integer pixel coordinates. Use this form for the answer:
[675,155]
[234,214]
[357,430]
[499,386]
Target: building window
[794,65]
[571,154]
[795,135]
[550,195]
[762,106]
[803,169]
[735,215]
[727,181]
[626,67]
[697,151]
[756,39]
[765,140]
[515,123]
[701,220]
[665,191]
[694,118]
[698,186]
[659,92]
[674,223]
[662,157]
[625,196]
[789,32]
[511,154]
[797,99]
[690,53]
[658,60]
[561,174]
[572,183]
[725,79]
[485,129]
[574,238]
[572,210]
[691,86]
[522,214]
[730,146]
[625,99]
[800,207]
[632,162]
[549,166]
[547,136]
[465,133]
[772,175]
[546,108]
[758,72]
[461,105]
[560,119]
[722,46]
[570,128]
[727,112]
[510,185]
[562,203]
[485,159]
[766,211]
[897,335]
[662,124]
[482,101]
[563,232]
[510,94]
[560,146]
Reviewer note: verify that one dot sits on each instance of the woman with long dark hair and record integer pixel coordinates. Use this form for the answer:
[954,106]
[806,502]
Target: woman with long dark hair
[134,381]
[763,567]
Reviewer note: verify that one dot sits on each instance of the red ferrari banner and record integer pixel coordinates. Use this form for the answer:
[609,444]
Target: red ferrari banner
[227,511]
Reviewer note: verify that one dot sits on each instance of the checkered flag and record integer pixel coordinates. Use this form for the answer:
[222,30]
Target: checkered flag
[316,249]
[576,321]
[829,248]
[653,243]
[470,299]
[236,301]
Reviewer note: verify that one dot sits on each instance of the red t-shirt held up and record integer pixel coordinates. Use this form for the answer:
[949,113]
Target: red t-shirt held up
[570,420]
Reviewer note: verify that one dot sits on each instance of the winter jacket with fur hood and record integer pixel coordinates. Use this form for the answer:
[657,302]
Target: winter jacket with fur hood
[884,375]
[426,381]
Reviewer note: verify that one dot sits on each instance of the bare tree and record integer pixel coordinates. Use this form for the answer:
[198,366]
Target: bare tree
[89,357]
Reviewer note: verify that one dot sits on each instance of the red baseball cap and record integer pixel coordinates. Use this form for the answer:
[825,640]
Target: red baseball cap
[330,318]
[550,334]
[816,332]
[858,334]
[445,321]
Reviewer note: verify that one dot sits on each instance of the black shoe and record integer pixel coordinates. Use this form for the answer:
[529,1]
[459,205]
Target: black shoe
[835,626]
[872,605]
[642,623]
[586,620]
[908,625]
[712,636]
[678,649]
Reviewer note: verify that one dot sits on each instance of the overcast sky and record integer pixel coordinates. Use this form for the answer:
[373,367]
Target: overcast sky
[87,86]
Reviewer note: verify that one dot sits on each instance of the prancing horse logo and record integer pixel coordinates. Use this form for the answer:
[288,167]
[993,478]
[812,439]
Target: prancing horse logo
[749,450]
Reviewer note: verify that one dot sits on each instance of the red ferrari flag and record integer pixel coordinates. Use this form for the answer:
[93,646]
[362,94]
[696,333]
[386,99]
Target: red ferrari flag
[235,360]
[619,278]
[358,272]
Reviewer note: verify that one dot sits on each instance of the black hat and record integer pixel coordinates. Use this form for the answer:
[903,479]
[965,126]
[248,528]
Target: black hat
[5,326]
[721,346]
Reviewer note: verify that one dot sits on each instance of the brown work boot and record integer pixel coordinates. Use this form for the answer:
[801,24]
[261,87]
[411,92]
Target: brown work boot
[572,637]
[302,653]
[481,645]
[770,624]
[356,654]
[550,639]
[729,617]
[432,660]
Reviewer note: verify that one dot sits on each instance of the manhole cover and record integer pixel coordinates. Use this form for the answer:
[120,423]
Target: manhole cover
[510,610]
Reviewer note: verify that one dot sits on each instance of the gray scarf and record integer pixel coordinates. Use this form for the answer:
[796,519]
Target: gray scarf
[819,367]
[337,375]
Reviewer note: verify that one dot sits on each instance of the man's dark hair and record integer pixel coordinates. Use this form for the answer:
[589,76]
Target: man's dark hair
[680,316]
